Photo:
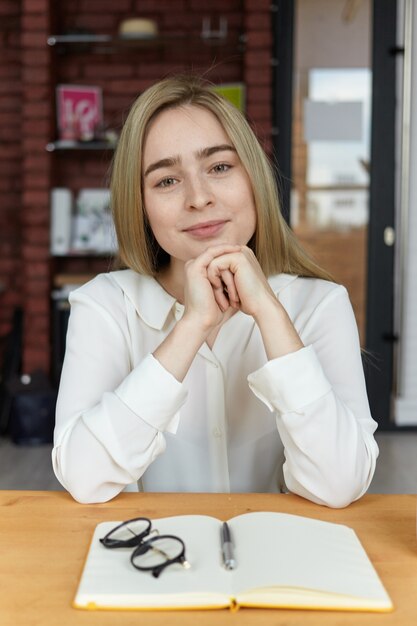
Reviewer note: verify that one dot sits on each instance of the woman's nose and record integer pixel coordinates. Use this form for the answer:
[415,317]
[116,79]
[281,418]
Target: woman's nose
[199,194]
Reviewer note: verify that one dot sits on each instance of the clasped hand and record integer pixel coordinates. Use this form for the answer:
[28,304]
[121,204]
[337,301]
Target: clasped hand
[222,278]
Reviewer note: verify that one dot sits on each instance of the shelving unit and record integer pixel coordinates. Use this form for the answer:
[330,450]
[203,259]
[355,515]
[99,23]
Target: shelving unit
[79,165]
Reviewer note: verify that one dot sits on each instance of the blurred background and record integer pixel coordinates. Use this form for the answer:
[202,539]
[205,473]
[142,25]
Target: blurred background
[328,88]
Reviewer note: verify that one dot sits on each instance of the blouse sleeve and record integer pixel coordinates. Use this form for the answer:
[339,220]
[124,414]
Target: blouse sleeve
[322,409]
[110,418]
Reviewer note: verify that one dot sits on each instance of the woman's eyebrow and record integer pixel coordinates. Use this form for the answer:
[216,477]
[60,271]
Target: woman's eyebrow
[201,154]
[206,152]
[168,162]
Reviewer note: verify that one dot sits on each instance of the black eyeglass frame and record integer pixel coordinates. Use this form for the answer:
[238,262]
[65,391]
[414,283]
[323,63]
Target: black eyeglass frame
[142,545]
[134,541]
[147,545]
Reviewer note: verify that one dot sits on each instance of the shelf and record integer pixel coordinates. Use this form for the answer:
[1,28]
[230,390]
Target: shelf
[53,40]
[107,44]
[86,254]
[79,145]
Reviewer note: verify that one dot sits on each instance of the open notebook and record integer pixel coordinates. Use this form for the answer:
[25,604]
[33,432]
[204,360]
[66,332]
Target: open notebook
[282,561]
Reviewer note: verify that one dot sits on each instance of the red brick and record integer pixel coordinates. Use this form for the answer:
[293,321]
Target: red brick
[7,266]
[37,163]
[37,181]
[257,5]
[10,151]
[33,40]
[35,93]
[37,270]
[259,39]
[9,86]
[258,59]
[9,8]
[35,253]
[257,21]
[37,235]
[35,6]
[10,201]
[37,128]
[261,94]
[261,76]
[33,145]
[36,57]
[38,111]
[9,71]
[105,23]
[105,6]
[35,216]
[213,5]
[40,323]
[36,359]
[6,184]
[35,22]
[38,340]
[110,71]
[35,75]
[259,111]
[35,198]
[11,103]
[9,134]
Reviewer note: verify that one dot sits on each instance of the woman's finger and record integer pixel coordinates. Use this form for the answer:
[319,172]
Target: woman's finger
[229,285]
[211,253]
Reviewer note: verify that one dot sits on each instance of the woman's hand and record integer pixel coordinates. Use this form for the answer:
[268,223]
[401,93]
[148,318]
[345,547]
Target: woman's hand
[243,276]
[246,285]
[205,302]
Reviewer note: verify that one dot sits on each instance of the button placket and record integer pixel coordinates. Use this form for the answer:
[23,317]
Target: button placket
[217,426]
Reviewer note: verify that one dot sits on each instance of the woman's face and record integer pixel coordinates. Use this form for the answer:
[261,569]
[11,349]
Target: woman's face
[196,191]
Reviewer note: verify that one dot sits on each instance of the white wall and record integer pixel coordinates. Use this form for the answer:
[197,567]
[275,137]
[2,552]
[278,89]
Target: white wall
[327,37]
[405,402]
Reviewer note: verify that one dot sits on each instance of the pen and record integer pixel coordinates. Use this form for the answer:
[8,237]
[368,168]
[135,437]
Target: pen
[227,547]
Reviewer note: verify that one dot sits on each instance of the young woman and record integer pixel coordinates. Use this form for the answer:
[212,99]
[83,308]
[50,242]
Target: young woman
[222,359]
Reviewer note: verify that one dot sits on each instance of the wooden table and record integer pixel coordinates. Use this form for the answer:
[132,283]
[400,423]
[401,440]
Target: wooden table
[44,539]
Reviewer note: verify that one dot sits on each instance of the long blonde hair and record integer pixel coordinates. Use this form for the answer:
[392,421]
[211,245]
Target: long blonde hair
[273,243]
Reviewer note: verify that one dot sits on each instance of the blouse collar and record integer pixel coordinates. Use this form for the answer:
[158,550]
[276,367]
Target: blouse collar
[153,304]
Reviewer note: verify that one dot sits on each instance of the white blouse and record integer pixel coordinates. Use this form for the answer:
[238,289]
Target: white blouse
[237,423]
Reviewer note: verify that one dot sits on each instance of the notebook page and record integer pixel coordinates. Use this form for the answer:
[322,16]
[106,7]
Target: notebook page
[277,549]
[109,579]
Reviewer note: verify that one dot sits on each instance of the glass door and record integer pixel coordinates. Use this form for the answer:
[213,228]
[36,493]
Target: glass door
[331,140]
[334,77]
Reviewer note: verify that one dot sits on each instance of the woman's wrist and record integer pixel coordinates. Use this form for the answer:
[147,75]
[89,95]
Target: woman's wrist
[278,332]
[178,350]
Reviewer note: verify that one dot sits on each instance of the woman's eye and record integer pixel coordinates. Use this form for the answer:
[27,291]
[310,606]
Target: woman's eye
[220,168]
[166,182]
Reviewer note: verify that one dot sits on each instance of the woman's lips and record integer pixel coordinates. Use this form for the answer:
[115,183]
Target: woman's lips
[206,229]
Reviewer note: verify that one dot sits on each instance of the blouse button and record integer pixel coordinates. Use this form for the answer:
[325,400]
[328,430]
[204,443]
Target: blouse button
[178,311]
[217,432]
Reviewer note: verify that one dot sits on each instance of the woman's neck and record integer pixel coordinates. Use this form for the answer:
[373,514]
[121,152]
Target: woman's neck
[172,280]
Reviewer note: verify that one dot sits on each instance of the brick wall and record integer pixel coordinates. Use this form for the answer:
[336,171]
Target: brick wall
[37,124]
[257,68]
[27,118]
[10,159]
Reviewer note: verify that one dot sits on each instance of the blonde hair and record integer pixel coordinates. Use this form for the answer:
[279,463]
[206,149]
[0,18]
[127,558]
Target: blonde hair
[273,243]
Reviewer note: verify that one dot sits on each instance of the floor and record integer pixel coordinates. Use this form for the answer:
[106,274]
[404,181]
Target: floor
[23,467]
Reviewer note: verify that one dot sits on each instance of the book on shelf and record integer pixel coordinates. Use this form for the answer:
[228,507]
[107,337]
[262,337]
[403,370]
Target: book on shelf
[282,561]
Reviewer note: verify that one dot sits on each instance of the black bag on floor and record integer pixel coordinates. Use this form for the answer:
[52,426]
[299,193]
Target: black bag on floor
[32,417]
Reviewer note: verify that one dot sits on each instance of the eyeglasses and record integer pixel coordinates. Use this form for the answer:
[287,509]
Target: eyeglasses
[151,554]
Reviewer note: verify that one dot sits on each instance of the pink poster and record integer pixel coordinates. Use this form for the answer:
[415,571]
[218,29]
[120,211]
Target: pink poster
[79,111]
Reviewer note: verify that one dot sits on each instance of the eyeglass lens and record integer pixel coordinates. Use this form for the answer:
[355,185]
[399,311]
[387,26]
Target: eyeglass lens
[129,533]
[159,551]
